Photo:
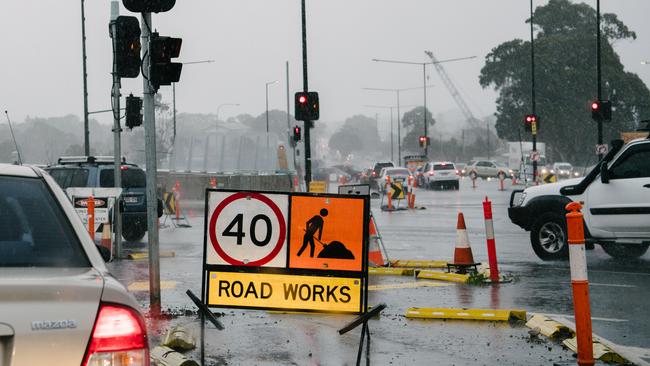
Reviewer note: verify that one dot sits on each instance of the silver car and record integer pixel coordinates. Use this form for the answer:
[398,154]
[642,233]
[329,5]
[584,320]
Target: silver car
[59,305]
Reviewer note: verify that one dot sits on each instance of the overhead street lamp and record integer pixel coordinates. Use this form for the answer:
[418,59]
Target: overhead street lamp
[399,129]
[424,79]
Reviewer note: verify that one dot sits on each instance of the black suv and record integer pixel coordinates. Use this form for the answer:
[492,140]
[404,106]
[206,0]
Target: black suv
[91,171]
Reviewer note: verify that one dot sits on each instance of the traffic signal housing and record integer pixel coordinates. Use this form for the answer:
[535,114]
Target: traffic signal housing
[162,50]
[424,141]
[530,120]
[601,110]
[148,6]
[126,46]
[296,133]
[306,106]
[133,111]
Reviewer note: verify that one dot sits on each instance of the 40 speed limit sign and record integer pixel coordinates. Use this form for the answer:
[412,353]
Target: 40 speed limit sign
[247,229]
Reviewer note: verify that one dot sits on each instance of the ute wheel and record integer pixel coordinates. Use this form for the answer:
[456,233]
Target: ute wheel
[133,232]
[548,237]
[625,251]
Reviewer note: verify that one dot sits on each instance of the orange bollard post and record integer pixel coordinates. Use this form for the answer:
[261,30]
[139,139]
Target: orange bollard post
[213,182]
[90,205]
[580,283]
[409,191]
[491,244]
[390,199]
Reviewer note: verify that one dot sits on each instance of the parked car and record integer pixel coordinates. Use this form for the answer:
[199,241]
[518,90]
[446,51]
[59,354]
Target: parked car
[90,171]
[60,304]
[441,174]
[616,206]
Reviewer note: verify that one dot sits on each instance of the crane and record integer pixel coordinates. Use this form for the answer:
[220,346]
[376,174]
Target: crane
[464,108]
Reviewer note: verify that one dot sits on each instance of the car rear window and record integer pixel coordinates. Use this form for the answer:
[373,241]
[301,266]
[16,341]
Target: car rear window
[397,172]
[34,230]
[380,166]
[131,178]
[70,177]
[443,166]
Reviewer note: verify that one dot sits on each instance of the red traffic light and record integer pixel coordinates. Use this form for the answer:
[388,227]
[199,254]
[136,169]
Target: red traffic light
[302,99]
[531,118]
[595,106]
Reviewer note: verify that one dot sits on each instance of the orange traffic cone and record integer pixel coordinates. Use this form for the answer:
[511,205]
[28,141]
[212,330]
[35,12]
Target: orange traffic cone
[375,258]
[106,236]
[463,257]
[213,182]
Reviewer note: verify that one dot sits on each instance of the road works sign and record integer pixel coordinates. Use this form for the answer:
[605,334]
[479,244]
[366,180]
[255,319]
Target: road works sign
[298,251]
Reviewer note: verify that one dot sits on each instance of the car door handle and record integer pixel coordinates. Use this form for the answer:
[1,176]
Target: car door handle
[646,185]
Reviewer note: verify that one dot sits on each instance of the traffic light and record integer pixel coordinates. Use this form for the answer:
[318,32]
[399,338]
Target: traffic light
[306,106]
[531,119]
[601,110]
[162,50]
[133,111]
[148,6]
[424,141]
[126,46]
[296,133]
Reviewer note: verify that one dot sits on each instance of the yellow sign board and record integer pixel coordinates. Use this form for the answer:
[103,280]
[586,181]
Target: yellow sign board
[277,291]
[533,127]
[396,191]
[318,186]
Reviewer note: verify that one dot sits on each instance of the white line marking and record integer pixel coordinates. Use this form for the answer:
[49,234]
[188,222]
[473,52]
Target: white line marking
[613,320]
[606,284]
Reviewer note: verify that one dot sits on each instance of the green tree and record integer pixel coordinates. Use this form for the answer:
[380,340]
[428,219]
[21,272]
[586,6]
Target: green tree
[565,80]
[358,133]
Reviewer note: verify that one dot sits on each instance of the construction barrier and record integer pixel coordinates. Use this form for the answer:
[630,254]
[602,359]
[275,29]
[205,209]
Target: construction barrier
[491,245]
[463,258]
[600,351]
[466,314]
[390,271]
[580,283]
[318,186]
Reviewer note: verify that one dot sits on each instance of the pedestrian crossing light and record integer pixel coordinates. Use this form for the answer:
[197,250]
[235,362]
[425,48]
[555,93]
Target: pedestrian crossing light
[532,123]
[126,46]
[133,111]
[601,110]
[306,106]
[296,133]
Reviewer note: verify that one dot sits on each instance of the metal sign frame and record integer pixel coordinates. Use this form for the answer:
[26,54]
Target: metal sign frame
[361,275]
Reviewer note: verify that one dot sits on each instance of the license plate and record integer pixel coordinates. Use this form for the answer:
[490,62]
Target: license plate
[131,199]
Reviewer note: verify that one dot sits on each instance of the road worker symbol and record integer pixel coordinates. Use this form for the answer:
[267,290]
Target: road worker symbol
[326,233]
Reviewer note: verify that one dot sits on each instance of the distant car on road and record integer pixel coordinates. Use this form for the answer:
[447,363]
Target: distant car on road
[488,169]
[376,172]
[562,170]
[441,174]
[60,304]
[400,175]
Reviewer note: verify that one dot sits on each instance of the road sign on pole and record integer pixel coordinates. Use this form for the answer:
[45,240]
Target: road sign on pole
[601,149]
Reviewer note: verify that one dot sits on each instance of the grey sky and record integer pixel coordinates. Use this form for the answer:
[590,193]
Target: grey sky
[250,40]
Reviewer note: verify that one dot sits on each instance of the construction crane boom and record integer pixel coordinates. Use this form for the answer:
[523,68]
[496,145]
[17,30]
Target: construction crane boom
[464,108]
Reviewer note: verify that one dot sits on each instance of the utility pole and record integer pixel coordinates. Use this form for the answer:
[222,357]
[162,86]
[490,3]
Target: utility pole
[532,91]
[290,141]
[150,151]
[599,72]
[305,86]
[85,80]
[487,128]
[117,130]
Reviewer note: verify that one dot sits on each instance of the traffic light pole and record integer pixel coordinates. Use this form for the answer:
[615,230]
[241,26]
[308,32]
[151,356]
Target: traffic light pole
[151,169]
[532,91]
[306,89]
[85,77]
[599,76]
[424,78]
[117,144]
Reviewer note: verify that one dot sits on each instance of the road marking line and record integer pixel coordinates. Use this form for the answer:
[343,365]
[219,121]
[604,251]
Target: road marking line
[604,284]
[613,320]
[140,286]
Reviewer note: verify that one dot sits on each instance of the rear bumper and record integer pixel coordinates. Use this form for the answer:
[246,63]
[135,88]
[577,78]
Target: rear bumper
[451,178]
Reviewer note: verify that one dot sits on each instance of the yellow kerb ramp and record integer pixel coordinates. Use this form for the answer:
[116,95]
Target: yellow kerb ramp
[443,276]
[390,271]
[549,327]
[467,314]
[601,352]
[418,263]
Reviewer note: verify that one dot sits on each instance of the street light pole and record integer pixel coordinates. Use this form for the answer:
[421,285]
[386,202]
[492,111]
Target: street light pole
[267,115]
[85,79]
[424,78]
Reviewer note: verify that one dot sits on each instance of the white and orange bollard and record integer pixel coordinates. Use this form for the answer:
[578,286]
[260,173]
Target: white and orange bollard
[580,283]
[90,205]
[106,241]
[473,175]
[213,182]
[409,191]
[502,177]
[491,244]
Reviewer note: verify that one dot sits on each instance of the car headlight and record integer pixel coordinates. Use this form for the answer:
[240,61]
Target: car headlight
[521,200]
[576,174]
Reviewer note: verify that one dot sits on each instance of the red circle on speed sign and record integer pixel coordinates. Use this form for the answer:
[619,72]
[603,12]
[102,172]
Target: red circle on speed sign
[263,199]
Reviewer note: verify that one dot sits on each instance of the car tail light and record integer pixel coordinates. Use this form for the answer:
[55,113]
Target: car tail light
[119,338]
[124,167]
[431,173]
[374,174]
[457,172]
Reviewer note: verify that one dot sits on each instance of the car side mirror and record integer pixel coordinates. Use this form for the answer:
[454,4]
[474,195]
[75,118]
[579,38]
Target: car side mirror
[104,252]
[604,173]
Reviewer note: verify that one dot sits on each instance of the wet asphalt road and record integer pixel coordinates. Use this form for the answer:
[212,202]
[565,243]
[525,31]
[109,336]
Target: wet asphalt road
[620,293]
